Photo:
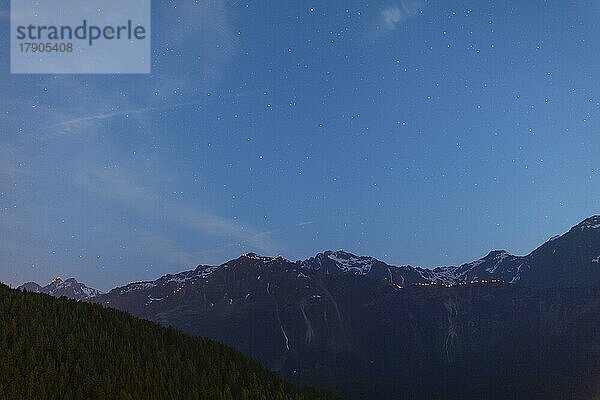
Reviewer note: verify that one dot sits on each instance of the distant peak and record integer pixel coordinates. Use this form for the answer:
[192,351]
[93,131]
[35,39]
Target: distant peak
[200,267]
[340,254]
[348,262]
[497,252]
[497,255]
[30,287]
[57,280]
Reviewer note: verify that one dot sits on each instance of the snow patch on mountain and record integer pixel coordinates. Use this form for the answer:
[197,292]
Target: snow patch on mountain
[207,271]
[497,260]
[263,259]
[517,276]
[595,226]
[133,286]
[350,263]
[90,292]
[202,272]
[553,238]
[590,223]
[445,274]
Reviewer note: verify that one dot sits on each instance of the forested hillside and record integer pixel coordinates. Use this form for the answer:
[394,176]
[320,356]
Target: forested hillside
[62,349]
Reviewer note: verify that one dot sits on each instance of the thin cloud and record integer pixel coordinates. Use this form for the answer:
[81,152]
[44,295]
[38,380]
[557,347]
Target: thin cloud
[74,124]
[81,121]
[393,16]
[134,191]
[305,223]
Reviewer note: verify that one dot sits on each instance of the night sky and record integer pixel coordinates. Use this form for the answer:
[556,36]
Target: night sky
[417,132]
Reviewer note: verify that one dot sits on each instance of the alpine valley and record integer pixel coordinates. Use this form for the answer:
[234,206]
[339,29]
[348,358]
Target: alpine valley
[504,326]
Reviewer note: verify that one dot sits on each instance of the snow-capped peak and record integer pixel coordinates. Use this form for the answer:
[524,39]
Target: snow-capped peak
[347,262]
[264,259]
[68,288]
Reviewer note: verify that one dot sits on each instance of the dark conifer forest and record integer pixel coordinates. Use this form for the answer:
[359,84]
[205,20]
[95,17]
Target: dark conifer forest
[62,349]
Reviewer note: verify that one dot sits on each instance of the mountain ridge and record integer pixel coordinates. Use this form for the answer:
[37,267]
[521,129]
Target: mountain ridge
[497,265]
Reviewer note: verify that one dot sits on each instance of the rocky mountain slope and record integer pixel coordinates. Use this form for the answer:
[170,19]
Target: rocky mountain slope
[365,338]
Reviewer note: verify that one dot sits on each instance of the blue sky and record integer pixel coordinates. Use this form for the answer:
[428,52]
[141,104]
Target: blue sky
[418,132]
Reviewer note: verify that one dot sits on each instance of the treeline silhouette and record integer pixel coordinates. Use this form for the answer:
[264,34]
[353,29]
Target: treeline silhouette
[62,349]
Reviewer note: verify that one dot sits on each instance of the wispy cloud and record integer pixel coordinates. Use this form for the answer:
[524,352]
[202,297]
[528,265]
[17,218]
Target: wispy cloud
[75,124]
[392,16]
[140,194]
[305,223]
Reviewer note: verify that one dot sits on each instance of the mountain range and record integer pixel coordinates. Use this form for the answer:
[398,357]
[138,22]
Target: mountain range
[503,326]
[568,260]
[69,288]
